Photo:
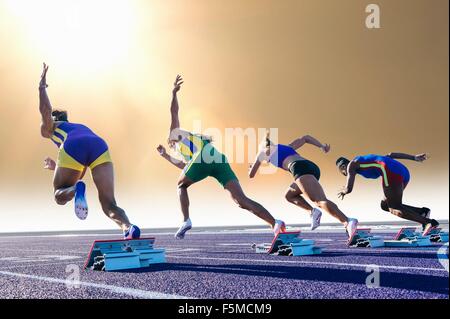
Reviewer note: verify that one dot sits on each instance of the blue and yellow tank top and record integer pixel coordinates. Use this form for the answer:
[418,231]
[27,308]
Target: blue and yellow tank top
[189,147]
[66,129]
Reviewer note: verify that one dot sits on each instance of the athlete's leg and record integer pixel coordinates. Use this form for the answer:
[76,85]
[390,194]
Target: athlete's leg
[309,186]
[235,189]
[64,182]
[294,195]
[394,195]
[183,183]
[103,176]
[424,211]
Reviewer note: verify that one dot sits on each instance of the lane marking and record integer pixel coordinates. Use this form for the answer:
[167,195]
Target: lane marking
[428,251]
[45,250]
[14,267]
[40,258]
[442,255]
[235,244]
[146,294]
[307,262]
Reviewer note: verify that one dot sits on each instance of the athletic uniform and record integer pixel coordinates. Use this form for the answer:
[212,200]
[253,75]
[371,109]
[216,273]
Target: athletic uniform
[79,147]
[297,168]
[393,173]
[204,160]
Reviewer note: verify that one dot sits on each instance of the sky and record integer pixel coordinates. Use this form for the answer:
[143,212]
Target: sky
[299,66]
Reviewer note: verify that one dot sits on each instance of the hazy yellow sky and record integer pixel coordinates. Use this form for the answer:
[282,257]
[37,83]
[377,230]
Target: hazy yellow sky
[302,66]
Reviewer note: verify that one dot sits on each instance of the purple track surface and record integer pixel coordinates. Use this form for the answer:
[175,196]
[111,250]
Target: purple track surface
[221,265]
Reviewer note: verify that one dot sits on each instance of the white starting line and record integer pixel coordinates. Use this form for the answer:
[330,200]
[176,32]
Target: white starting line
[115,289]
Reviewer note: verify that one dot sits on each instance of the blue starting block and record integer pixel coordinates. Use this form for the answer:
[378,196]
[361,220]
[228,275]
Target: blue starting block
[437,235]
[288,244]
[363,238]
[409,237]
[110,255]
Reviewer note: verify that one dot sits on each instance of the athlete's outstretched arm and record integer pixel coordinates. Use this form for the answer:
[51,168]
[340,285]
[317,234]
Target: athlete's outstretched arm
[351,174]
[255,166]
[174,107]
[162,151]
[417,158]
[47,124]
[308,139]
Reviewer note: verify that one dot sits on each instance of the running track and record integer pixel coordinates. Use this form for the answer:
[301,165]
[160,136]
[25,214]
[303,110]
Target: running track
[221,264]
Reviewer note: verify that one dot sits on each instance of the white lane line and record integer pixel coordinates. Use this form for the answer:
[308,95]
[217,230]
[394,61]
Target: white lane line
[146,294]
[235,244]
[117,235]
[306,262]
[167,248]
[65,251]
[428,251]
[40,258]
[14,267]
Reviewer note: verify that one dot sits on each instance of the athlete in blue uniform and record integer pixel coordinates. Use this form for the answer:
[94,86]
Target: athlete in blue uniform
[306,178]
[395,177]
[80,148]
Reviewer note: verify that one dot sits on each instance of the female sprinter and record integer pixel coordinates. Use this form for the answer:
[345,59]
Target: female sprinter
[306,176]
[80,148]
[200,160]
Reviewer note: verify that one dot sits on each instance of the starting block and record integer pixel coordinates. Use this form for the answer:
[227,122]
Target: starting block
[288,244]
[437,235]
[409,237]
[110,255]
[363,238]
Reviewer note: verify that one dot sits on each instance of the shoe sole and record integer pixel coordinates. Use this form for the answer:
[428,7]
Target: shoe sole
[182,233]
[81,207]
[318,222]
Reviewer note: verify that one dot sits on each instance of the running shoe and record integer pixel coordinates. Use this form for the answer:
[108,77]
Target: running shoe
[352,225]
[433,224]
[279,227]
[187,225]
[81,207]
[426,212]
[316,214]
[132,233]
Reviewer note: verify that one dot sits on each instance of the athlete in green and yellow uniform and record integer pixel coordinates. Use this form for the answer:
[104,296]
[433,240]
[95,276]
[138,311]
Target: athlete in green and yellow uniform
[201,159]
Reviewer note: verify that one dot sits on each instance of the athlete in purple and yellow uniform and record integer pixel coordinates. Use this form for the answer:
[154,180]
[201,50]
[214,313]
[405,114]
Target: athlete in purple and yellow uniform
[80,148]
[395,177]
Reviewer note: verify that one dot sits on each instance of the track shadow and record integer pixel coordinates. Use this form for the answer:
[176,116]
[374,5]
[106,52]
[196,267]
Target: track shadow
[252,253]
[418,282]
[331,253]
[387,254]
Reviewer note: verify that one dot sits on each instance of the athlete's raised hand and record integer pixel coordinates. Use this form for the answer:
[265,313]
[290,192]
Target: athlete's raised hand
[177,84]
[49,164]
[43,82]
[344,191]
[421,157]
[161,150]
[325,148]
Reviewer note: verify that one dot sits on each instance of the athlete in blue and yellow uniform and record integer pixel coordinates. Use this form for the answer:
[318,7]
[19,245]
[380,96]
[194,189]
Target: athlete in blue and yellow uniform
[306,176]
[80,148]
[200,160]
[395,177]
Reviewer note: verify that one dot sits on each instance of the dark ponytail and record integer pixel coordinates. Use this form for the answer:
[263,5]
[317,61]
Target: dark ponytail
[59,116]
